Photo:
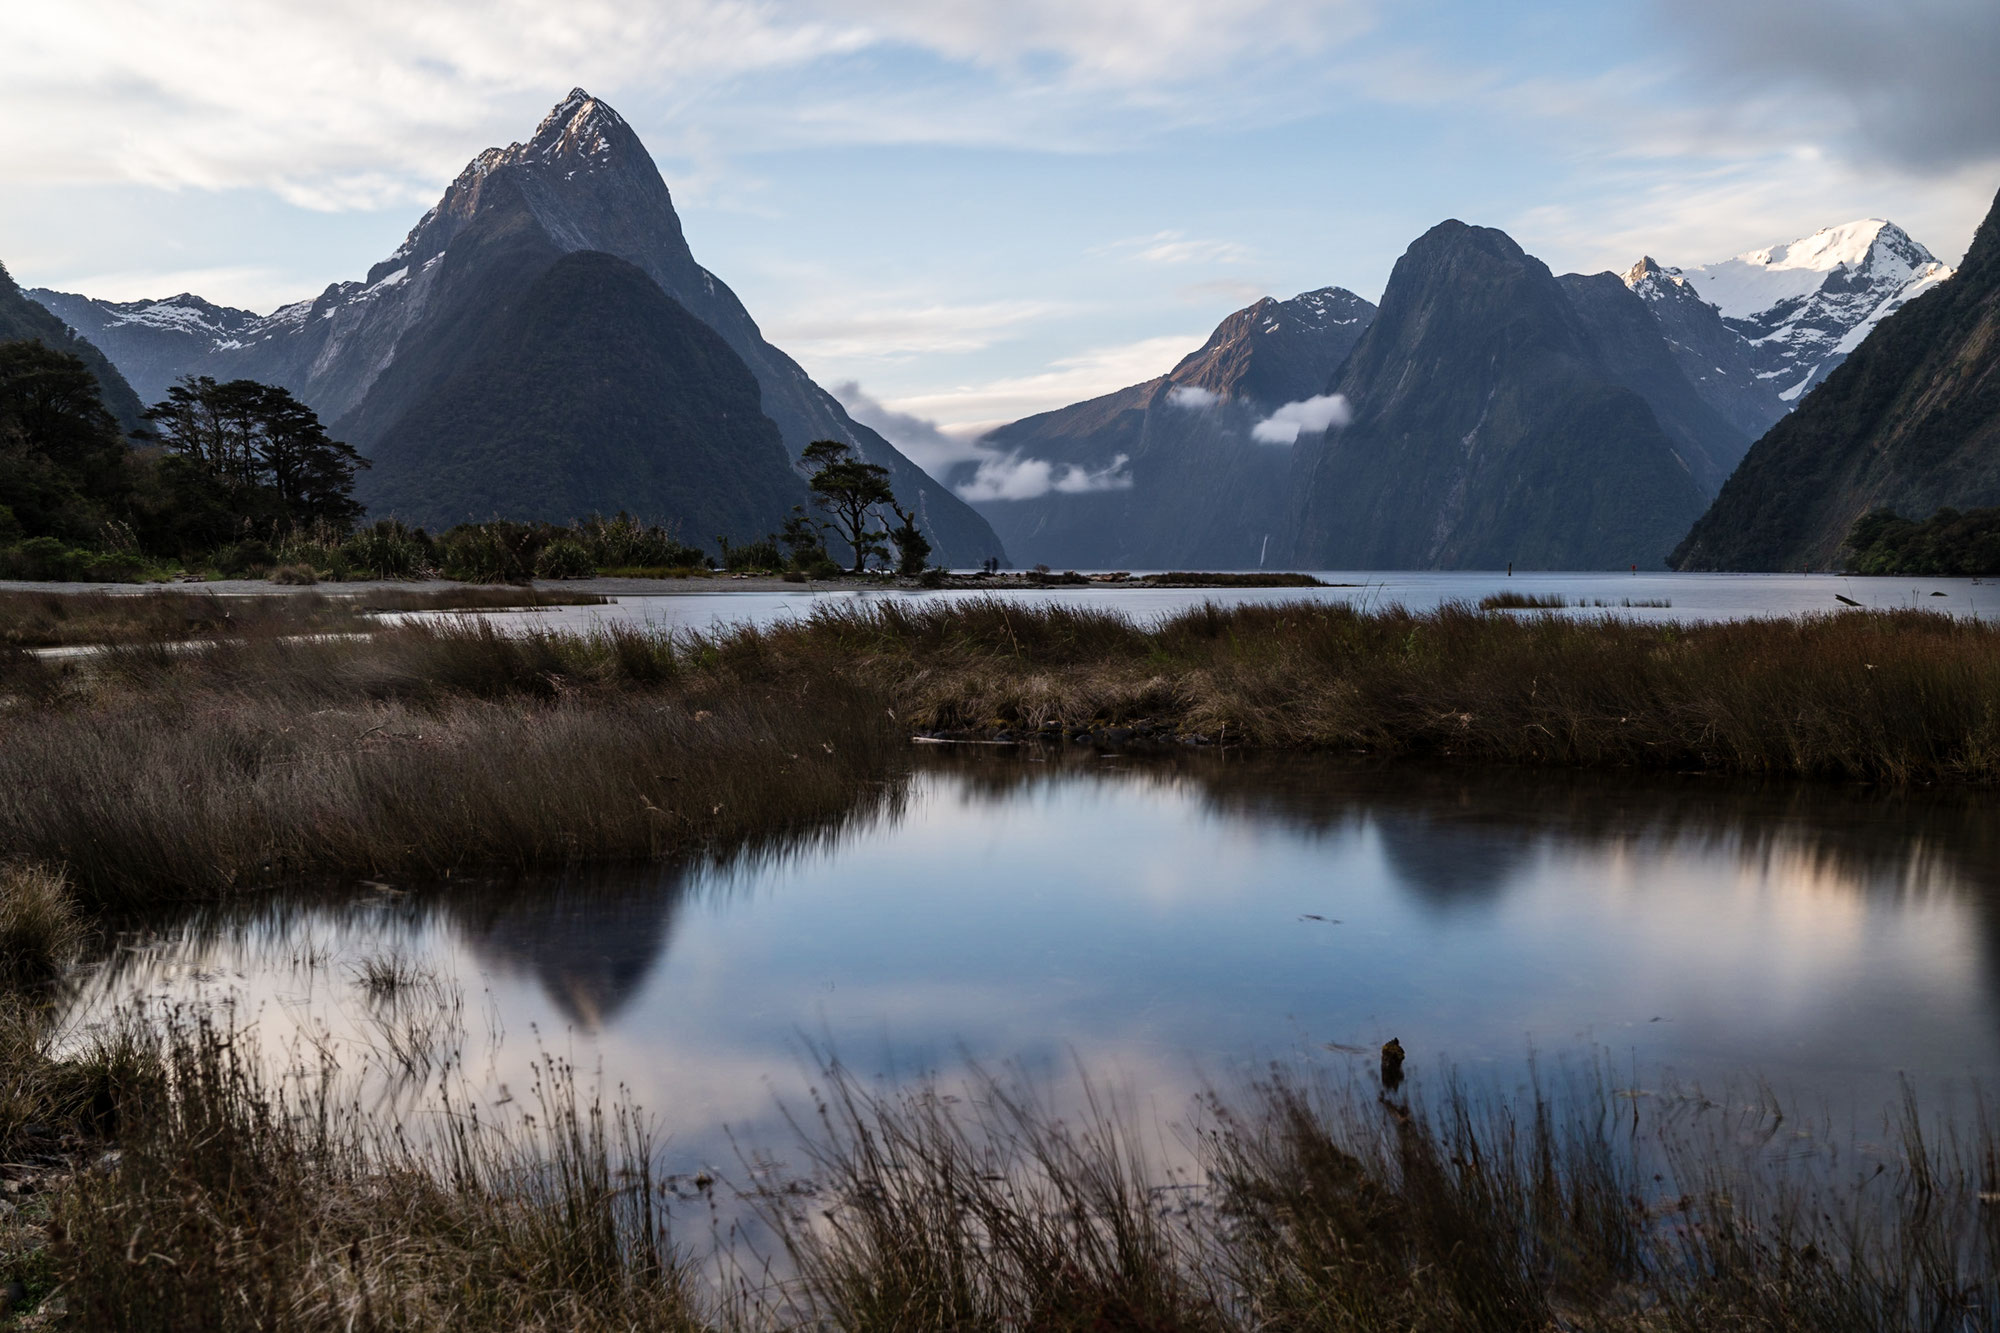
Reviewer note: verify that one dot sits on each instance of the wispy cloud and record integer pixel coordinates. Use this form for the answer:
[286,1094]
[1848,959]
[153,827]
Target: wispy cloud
[1018,478]
[889,326]
[1070,379]
[924,442]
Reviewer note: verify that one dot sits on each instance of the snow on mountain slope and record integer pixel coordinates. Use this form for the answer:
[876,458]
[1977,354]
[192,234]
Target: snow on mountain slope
[1806,304]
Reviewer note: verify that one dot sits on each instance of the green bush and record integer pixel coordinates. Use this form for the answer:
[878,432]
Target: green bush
[564,559]
[754,555]
[386,549]
[245,557]
[496,552]
[42,558]
[10,527]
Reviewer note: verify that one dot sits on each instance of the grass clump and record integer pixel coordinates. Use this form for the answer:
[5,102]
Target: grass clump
[1521,601]
[40,927]
[237,1203]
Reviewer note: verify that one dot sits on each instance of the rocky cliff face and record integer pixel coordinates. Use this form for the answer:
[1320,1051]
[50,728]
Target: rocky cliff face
[1489,426]
[1909,421]
[366,353]
[1169,474]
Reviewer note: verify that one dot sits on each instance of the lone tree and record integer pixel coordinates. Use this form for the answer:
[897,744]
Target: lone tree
[849,489]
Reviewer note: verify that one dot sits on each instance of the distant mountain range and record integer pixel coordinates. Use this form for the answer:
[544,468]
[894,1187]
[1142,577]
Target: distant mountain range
[426,365]
[1909,420]
[1168,474]
[1504,415]
[544,344]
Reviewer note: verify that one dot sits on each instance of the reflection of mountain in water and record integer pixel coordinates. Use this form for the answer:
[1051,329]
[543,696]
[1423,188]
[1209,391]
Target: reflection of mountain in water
[589,940]
[1449,862]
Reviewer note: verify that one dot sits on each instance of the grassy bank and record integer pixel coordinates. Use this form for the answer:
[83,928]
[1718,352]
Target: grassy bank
[1888,696]
[425,749]
[236,1201]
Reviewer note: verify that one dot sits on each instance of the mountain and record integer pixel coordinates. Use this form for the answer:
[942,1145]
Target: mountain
[22,319]
[366,354]
[1489,427]
[151,340]
[595,391]
[1166,474]
[1909,421]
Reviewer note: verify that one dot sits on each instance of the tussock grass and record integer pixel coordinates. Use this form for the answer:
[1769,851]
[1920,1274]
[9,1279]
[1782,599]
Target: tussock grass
[425,749]
[243,1201]
[1900,696]
[237,1203]
[40,928]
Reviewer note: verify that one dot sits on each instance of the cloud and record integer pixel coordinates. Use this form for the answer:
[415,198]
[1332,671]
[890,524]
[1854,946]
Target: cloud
[1193,397]
[891,326]
[1071,379]
[1016,478]
[1313,414]
[1911,85]
[362,103]
[921,440]
[1173,247]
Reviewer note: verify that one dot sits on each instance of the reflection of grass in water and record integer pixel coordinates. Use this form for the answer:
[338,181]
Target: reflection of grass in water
[416,1016]
[1308,1205]
[1521,601]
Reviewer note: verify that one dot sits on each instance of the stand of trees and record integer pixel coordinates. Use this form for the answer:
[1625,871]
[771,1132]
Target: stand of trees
[1950,543]
[242,478]
[221,464]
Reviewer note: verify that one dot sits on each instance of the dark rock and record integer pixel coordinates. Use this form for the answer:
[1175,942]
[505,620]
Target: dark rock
[1392,1064]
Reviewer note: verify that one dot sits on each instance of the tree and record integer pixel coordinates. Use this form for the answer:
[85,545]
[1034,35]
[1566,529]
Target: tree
[849,489]
[913,549]
[62,457]
[265,447]
[804,537]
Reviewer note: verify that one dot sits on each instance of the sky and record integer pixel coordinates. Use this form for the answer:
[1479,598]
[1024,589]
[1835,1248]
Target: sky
[958,214]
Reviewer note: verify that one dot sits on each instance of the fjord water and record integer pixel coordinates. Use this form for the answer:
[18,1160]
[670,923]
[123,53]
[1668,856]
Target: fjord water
[1163,923]
[1654,597]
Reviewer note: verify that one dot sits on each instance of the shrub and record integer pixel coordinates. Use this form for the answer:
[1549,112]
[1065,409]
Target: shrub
[753,555]
[386,549]
[296,575]
[250,556]
[564,559]
[495,552]
[42,558]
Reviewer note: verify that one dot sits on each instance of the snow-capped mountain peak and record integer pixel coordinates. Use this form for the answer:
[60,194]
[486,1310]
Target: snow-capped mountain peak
[1802,306]
[1758,282]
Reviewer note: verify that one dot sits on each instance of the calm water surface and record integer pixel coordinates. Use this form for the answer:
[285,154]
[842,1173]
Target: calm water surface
[1159,923]
[1685,597]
